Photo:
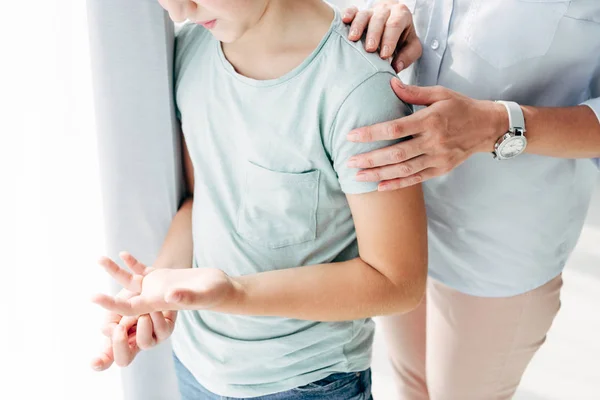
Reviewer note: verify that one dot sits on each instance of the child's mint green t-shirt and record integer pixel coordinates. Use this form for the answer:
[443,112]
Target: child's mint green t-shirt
[270,193]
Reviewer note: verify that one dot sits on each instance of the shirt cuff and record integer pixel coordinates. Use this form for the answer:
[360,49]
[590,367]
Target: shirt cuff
[594,104]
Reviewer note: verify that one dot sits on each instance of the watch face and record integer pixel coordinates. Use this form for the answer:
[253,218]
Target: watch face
[512,147]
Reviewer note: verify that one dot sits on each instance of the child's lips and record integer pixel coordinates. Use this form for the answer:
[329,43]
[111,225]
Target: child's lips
[208,24]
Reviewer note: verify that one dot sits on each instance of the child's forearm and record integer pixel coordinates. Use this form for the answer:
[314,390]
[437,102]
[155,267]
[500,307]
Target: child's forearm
[177,249]
[327,292]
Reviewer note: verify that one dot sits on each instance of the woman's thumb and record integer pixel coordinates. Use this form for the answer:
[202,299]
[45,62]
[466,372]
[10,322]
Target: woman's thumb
[419,95]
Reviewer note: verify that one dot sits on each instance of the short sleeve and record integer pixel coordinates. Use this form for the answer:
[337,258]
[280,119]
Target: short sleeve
[371,102]
[594,101]
[594,104]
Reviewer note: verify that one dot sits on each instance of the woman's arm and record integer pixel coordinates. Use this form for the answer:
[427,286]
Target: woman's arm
[568,132]
[453,127]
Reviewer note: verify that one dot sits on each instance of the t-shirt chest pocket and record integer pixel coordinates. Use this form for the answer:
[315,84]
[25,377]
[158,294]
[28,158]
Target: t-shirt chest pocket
[506,32]
[278,209]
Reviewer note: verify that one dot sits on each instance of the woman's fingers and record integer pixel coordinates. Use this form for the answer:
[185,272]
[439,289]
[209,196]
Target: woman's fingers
[349,14]
[376,27]
[400,170]
[410,52]
[359,24]
[390,155]
[396,25]
[390,130]
[415,179]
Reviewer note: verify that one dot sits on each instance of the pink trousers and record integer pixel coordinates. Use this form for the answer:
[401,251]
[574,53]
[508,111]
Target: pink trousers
[460,347]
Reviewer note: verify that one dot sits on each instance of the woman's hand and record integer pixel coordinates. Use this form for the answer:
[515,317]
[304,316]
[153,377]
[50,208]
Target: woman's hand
[444,134]
[158,290]
[127,336]
[389,28]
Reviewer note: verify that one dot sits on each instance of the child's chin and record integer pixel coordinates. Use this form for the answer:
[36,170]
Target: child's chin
[225,37]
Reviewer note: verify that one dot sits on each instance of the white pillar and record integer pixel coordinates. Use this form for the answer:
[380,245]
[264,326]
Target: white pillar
[131,45]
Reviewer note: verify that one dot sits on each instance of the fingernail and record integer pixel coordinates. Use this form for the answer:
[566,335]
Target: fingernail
[385,51]
[400,66]
[400,83]
[353,163]
[354,32]
[370,43]
[353,137]
[346,15]
[384,188]
[362,177]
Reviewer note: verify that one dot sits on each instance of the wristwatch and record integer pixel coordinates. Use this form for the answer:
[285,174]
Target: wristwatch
[513,142]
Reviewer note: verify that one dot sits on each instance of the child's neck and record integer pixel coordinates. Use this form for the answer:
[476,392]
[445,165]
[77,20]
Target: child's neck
[288,32]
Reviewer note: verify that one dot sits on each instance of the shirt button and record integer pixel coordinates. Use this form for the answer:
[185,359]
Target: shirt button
[435,44]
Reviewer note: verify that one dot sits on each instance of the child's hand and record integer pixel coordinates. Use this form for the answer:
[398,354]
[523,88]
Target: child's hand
[390,28]
[166,289]
[127,336]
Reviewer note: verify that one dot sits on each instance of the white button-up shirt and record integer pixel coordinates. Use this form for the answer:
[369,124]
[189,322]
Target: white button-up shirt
[501,228]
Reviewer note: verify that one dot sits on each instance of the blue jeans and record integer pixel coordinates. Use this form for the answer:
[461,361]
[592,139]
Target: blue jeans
[343,386]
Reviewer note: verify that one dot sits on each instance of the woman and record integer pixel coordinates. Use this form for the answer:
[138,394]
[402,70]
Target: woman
[500,230]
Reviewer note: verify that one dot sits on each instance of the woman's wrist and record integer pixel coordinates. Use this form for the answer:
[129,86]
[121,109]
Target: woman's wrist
[496,118]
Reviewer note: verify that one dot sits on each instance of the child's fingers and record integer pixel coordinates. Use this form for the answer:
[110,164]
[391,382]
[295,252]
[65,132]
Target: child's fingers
[123,352]
[126,279]
[133,264]
[163,325]
[112,318]
[145,336]
[116,305]
[104,360]
[108,329]
[137,305]
[349,14]
[359,24]
[127,322]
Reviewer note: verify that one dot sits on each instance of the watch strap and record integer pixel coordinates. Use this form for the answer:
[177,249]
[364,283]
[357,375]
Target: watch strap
[516,119]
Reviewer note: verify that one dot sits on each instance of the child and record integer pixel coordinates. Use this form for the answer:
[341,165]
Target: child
[291,254]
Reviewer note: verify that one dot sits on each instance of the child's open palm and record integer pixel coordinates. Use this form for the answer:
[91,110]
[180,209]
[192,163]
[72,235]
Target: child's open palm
[165,289]
[149,299]
[127,336]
